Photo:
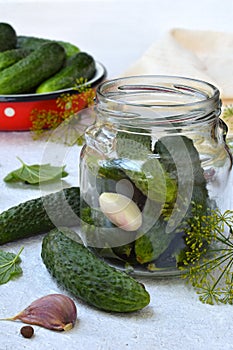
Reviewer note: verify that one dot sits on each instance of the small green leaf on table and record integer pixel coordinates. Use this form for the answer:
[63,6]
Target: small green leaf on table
[9,265]
[36,173]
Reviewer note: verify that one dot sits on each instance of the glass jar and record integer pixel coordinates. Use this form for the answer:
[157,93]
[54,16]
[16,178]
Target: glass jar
[154,161]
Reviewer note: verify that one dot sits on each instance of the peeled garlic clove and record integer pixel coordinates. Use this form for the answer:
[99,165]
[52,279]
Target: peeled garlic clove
[54,311]
[121,211]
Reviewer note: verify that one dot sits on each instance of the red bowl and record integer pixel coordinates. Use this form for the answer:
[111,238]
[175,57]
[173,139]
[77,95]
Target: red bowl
[16,110]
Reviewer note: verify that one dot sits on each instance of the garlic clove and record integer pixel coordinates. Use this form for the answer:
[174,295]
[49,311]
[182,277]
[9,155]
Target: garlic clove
[54,311]
[121,211]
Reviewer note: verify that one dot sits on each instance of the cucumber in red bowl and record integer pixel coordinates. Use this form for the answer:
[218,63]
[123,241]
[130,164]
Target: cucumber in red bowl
[16,110]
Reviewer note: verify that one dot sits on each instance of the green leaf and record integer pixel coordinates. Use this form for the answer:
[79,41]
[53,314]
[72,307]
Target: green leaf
[9,265]
[36,173]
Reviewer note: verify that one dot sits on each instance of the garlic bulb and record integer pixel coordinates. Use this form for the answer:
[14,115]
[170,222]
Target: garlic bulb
[121,211]
[54,311]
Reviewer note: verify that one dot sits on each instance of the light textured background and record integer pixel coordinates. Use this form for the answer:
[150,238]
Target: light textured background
[116,33]
[175,318]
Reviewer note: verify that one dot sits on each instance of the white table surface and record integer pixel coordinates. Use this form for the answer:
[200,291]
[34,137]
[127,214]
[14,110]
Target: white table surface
[116,33]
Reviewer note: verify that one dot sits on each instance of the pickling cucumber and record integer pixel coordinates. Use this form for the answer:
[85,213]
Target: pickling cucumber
[9,57]
[89,278]
[29,72]
[40,215]
[33,43]
[80,65]
[8,37]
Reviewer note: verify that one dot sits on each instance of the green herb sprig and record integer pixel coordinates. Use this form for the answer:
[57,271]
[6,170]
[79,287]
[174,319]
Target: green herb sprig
[208,264]
[68,105]
[227,112]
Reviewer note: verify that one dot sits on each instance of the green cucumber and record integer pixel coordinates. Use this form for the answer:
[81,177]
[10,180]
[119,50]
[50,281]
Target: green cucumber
[8,37]
[135,144]
[9,57]
[80,65]
[40,215]
[148,177]
[179,152]
[29,72]
[89,278]
[33,43]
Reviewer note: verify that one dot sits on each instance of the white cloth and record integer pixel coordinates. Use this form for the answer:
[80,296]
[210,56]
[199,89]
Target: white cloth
[199,54]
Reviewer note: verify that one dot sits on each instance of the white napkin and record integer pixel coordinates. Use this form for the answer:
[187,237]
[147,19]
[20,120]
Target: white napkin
[199,54]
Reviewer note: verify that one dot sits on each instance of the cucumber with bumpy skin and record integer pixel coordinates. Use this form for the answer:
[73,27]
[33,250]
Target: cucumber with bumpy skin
[33,43]
[10,57]
[29,72]
[8,37]
[88,277]
[78,66]
[40,215]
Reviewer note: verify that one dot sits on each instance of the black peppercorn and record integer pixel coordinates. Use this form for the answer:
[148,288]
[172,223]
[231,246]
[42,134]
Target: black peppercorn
[27,331]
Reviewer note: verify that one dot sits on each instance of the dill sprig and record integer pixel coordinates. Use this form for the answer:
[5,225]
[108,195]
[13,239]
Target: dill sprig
[208,263]
[227,112]
[44,122]
[227,116]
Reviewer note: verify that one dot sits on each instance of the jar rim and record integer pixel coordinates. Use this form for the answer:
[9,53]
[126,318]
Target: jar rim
[209,93]
[157,100]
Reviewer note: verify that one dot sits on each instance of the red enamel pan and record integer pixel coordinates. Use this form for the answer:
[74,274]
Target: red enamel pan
[15,110]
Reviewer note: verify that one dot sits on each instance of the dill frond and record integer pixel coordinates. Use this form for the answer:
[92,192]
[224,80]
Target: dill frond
[208,263]
[227,112]
[44,122]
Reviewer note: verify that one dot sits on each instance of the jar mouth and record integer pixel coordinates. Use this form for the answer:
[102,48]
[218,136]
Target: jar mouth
[157,100]
[179,91]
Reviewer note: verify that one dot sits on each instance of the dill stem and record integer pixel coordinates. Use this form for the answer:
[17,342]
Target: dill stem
[224,240]
[219,260]
[222,274]
[221,250]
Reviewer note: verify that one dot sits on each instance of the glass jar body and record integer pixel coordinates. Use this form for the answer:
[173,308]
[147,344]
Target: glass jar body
[154,162]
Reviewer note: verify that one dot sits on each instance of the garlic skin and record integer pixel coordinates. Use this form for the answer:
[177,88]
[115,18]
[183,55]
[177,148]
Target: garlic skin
[121,211]
[54,311]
